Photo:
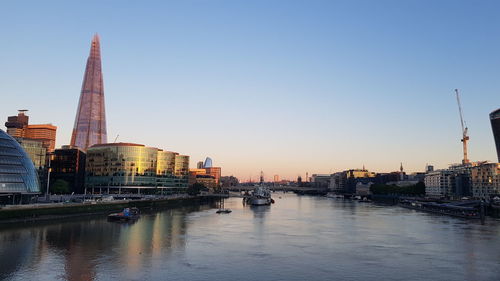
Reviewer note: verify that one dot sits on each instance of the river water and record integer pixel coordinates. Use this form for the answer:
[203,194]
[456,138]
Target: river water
[297,238]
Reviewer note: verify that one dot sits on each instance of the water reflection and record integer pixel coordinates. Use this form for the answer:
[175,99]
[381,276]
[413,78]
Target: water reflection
[297,238]
[77,250]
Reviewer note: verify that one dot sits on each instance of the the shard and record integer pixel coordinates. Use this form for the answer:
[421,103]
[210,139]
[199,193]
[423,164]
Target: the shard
[90,122]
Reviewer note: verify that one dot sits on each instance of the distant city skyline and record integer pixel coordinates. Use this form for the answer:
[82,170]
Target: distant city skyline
[286,87]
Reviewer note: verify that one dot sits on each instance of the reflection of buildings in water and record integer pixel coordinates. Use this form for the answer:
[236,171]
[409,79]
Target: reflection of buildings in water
[78,248]
[16,250]
[42,246]
[152,238]
[81,244]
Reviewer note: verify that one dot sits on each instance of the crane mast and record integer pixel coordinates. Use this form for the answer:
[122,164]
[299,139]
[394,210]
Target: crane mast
[465,137]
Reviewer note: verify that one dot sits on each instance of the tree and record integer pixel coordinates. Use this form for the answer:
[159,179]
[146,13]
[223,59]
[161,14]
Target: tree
[195,189]
[417,189]
[59,186]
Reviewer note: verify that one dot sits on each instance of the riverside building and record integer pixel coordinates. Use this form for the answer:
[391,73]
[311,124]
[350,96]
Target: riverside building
[90,121]
[18,176]
[346,181]
[495,126]
[486,180]
[454,182]
[439,183]
[19,127]
[68,164]
[134,168]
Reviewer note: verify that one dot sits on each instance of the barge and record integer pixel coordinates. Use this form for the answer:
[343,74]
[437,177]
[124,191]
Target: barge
[471,210]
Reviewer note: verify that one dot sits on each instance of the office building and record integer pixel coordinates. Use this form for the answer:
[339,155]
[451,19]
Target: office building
[495,126]
[90,121]
[16,125]
[43,132]
[200,176]
[17,172]
[208,163]
[485,180]
[35,150]
[346,181]
[439,183]
[19,127]
[121,165]
[68,164]
[134,168]
[214,172]
[165,170]
[320,180]
[181,170]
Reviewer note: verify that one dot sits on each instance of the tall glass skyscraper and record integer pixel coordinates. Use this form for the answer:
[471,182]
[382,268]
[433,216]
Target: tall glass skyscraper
[90,122]
[208,163]
[495,125]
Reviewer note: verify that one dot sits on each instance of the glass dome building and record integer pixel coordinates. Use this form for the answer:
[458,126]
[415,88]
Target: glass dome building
[17,172]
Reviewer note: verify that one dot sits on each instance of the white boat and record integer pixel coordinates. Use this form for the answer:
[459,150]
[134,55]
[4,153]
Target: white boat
[333,195]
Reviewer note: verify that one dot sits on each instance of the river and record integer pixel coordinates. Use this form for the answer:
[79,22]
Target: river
[297,238]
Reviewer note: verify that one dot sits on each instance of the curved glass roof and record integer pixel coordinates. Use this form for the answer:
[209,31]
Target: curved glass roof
[17,172]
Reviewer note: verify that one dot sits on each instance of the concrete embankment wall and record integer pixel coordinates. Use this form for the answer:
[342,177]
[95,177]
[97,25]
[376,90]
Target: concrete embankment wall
[26,213]
[386,199]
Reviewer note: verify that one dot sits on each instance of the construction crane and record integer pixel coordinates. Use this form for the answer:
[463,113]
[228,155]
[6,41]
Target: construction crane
[465,137]
[116,138]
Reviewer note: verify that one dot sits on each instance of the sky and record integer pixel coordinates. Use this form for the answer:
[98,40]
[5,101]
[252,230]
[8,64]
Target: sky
[286,87]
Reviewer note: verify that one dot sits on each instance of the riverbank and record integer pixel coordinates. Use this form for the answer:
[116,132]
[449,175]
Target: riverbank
[53,211]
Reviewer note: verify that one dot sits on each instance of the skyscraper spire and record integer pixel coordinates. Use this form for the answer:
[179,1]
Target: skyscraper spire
[90,121]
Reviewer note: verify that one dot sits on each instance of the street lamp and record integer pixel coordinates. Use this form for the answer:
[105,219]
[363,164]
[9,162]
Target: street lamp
[48,175]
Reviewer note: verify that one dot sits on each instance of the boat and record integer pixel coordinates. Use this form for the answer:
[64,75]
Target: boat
[223,211]
[472,210]
[260,196]
[128,214]
[365,200]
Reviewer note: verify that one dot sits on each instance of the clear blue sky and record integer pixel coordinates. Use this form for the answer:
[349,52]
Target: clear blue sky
[282,86]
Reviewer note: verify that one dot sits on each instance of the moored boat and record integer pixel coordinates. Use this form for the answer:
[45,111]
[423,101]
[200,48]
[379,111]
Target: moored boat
[260,196]
[128,214]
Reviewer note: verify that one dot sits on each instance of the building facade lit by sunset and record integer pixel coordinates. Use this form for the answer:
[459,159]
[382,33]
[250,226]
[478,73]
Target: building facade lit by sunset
[90,121]
[19,127]
[200,176]
[166,176]
[214,172]
[181,170]
[136,167]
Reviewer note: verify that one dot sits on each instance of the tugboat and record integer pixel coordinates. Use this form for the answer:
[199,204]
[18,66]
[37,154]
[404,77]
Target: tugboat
[128,214]
[260,196]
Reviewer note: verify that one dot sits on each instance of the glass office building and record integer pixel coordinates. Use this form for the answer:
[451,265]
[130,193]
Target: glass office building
[121,165]
[17,172]
[90,121]
[495,126]
[117,167]
[181,170]
[165,172]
